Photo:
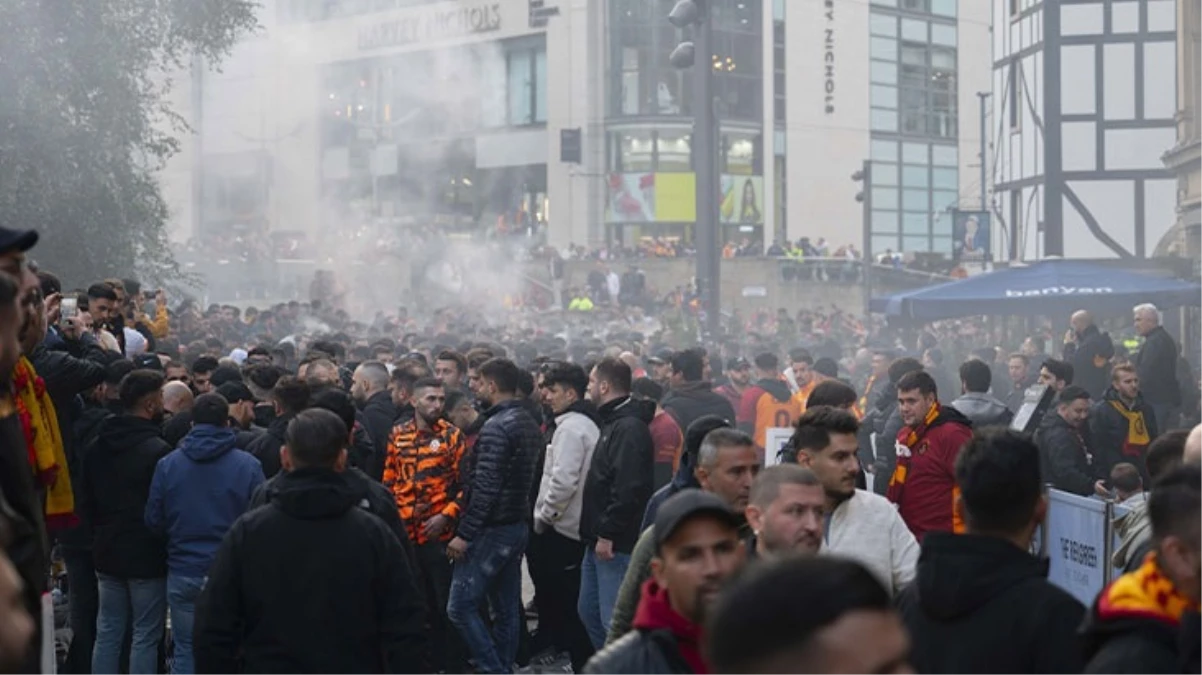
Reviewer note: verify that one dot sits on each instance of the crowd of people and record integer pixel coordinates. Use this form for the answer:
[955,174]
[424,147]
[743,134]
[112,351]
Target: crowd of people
[298,491]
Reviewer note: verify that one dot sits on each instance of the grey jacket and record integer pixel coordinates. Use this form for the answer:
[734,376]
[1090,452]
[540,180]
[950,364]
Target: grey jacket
[1133,529]
[983,409]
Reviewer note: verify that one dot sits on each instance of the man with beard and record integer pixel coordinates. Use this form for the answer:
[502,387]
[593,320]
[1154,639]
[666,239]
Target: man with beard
[26,546]
[738,372]
[422,468]
[556,550]
[727,465]
[862,526]
[697,548]
[923,484]
[1122,424]
[1070,461]
[786,512]
[369,388]
[615,492]
[131,561]
[970,585]
[493,529]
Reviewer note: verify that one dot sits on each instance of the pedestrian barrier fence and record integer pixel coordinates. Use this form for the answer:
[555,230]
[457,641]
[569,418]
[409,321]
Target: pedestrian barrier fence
[1077,538]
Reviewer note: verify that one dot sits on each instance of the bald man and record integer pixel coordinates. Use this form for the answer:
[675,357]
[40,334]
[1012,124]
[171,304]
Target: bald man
[1090,352]
[1193,447]
[177,403]
[369,388]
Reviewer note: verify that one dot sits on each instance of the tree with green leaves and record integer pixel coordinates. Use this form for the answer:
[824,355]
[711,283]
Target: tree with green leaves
[85,123]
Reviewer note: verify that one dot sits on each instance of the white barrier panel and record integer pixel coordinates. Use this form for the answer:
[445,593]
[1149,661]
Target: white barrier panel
[775,438]
[1078,544]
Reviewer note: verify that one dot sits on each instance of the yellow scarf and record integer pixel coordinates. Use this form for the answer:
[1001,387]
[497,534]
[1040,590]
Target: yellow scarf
[44,444]
[1145,593]
[1137,429]
[867,391]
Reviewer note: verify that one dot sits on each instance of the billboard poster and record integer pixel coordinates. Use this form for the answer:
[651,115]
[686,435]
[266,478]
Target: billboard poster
[742,200]
[631,198]
[971,236]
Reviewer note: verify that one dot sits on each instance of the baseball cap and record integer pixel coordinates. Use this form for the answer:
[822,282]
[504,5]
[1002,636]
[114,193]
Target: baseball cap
[737,363]
[685,505]
[660,357]
[17,240]
[235,392]
[150,361]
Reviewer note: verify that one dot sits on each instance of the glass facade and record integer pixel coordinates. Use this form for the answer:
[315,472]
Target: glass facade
[649,108]
[913,89]
[401,128]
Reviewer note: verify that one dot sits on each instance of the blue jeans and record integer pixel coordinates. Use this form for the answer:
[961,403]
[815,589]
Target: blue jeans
[599,584]
[142,601]
[490,571]
[181,599]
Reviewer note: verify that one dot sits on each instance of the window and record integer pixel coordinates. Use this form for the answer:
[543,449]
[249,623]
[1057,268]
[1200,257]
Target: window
[913,29]
[928,103]
[943,34]
[943,7]
[915,153]
[883,120]
[884,173]
[673,151]
[916,200]
[916,223]
[884,197]
[884,221]
[944,155]
[942,200]
[883,24]
[883,151]
[915,176]
[1012,92]
[916,244]
[780,85]
[944,178]
[884,73]
[884,97]
[635,152]
[526,70]
[916,5]
[883,48]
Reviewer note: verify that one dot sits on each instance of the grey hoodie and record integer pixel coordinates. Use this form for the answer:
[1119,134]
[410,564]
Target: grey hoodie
[983,409]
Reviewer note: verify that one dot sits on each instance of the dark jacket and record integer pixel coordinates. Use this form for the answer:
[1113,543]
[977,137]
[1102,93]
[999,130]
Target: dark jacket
[662,641]
[266,448]
[87,428]
[22,508]
[379,415]
[310,583]
[68,372]
[177,427]
[378,501]
[117,470]
[1138,637]
[983,410]
[691,400]
[620,475]
[1111,431]
[979,604]
[198,491]
[500,469]
[1156,363]
[1069,462]
[1090,356]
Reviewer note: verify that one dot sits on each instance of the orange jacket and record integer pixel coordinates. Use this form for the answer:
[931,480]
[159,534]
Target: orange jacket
[422,470]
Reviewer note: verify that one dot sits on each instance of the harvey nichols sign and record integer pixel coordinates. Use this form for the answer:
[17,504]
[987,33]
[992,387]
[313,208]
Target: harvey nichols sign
[435,25]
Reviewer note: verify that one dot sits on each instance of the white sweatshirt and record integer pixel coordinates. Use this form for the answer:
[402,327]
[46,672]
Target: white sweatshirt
[561,491]
[868,529]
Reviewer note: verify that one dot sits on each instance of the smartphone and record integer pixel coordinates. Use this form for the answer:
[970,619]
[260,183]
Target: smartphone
[69,307]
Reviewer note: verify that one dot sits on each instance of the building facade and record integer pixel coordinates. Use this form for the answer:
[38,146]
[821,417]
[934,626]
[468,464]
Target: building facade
[453,113]
[1185,158]
[1085,99]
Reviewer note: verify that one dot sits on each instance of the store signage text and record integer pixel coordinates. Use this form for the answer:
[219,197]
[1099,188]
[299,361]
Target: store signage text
[432,26]
[828,58]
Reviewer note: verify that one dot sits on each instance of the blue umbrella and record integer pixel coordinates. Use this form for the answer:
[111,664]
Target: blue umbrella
[1047,287]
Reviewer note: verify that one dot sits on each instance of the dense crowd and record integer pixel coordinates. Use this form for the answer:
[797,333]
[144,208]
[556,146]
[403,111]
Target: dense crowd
[300,491]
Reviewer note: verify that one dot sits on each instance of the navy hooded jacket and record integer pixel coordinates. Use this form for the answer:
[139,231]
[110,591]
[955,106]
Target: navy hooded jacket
[197,493]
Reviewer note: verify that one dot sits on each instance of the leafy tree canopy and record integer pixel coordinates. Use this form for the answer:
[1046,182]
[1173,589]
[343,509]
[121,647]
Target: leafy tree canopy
[85,124]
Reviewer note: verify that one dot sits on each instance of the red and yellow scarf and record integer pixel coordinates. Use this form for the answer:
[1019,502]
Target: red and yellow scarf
[1145,593]
[44,444]
[897,481]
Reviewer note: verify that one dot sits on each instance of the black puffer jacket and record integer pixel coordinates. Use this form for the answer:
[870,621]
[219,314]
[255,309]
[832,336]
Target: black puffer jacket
[1109,430]
[379,415]
[620,476]
[500,468]
[1069,462]
[689,401]
[117,470]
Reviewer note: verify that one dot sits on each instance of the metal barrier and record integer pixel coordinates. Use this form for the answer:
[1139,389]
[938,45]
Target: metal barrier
[1077,538]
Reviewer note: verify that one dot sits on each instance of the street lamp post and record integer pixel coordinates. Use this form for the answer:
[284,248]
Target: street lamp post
[864,176]
[698,55]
